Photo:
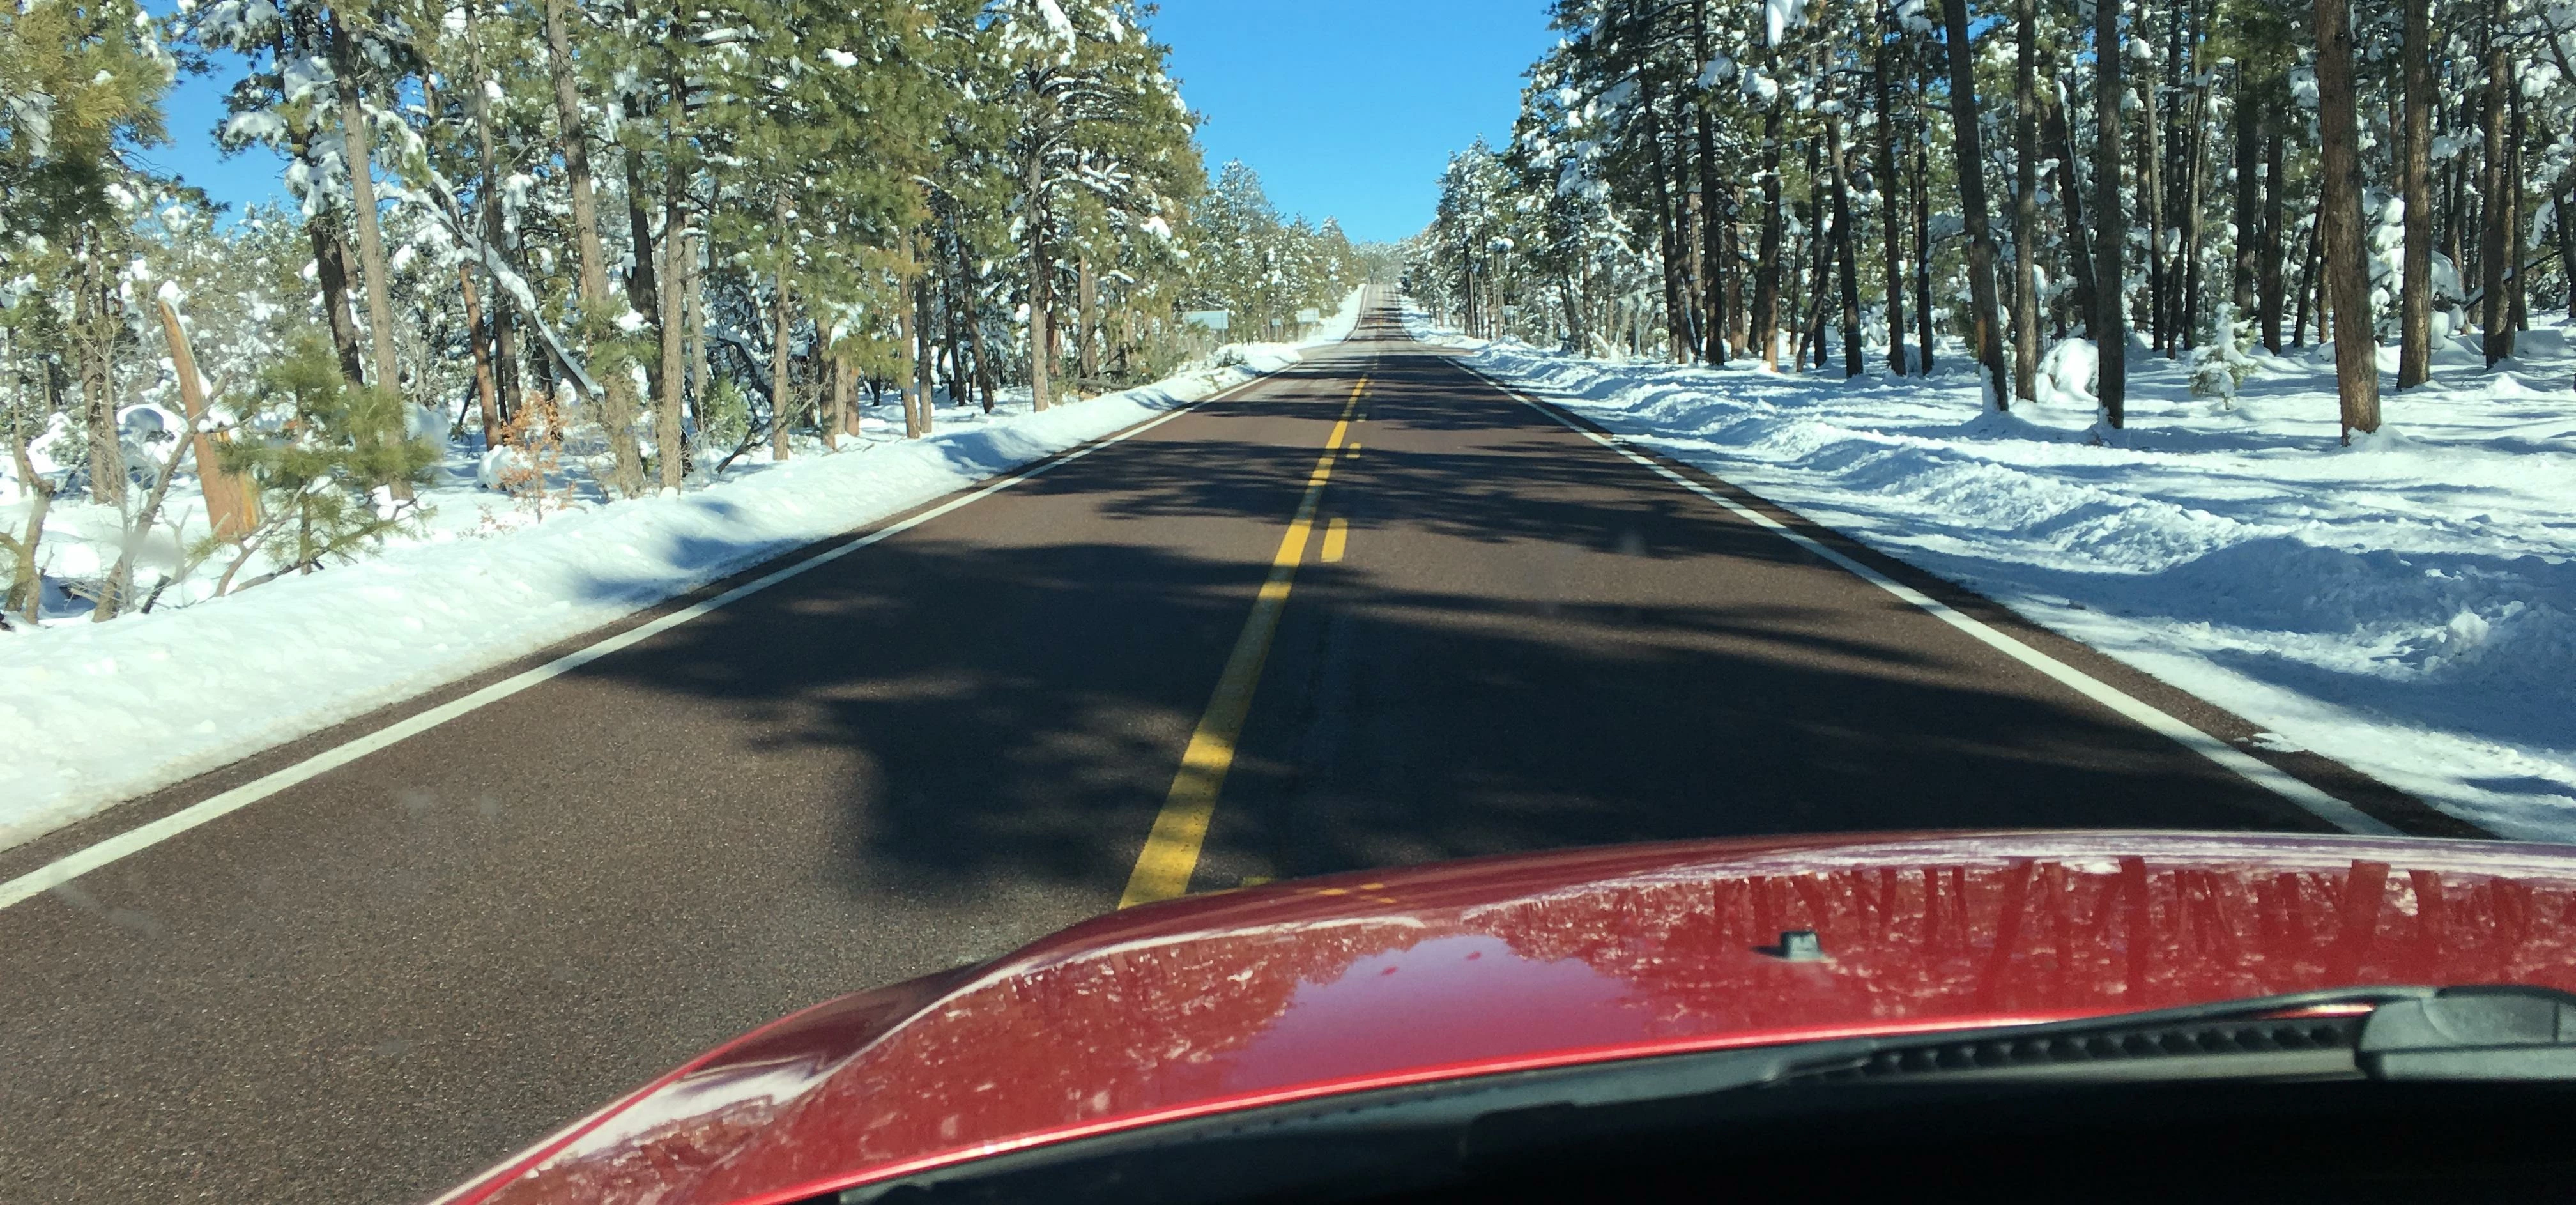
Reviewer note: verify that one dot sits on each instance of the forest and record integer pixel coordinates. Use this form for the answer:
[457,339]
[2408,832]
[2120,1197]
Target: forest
[1855,185]
[608,249]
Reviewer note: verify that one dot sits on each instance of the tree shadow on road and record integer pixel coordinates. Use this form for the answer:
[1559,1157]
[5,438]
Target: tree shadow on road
[994,714]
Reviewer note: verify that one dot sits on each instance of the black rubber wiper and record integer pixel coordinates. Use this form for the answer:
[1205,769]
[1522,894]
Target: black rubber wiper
[2407,1033]
[2472,1033]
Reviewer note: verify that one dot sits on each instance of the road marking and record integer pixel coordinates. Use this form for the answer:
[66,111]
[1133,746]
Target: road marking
[80,862]
[1336,534]
[1352,452]
[1171,850]
[2261,773]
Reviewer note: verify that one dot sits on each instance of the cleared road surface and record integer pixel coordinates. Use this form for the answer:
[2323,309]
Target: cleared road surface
[1141,670]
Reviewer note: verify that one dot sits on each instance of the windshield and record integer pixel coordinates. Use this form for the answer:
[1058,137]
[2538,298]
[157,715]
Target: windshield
[721,603]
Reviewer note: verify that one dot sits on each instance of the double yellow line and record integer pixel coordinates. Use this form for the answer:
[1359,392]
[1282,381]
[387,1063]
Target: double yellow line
[1172,850]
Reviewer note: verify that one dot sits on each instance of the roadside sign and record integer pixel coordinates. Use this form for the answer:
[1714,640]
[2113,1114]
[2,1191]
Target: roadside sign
[1215,320]
[1310,314]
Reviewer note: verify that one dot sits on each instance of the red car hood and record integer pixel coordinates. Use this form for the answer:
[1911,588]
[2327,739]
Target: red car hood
[1253,997]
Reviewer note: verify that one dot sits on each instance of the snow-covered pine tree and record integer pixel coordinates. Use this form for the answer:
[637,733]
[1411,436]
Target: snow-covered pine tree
[1090,102]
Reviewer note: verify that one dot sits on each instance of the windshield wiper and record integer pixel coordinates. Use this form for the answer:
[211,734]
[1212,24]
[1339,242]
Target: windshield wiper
[2382,1033]
[2472,1033]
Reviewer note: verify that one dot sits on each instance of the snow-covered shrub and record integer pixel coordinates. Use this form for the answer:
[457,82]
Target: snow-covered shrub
[2222,362]
[2065,375]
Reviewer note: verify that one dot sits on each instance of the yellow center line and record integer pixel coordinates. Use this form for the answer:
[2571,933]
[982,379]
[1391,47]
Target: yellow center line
[1336,534]
[1171,850]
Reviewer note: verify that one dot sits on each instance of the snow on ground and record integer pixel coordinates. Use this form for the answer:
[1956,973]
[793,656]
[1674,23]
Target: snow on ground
[2406,605]
[100,712]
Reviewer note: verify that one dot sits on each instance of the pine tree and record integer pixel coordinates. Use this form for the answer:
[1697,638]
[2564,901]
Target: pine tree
[331,446]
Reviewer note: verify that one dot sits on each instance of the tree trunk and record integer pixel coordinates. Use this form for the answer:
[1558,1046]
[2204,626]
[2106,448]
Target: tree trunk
[94,347]
[1041,282]
[2414,166]
[1086,338]
[845,395]
[2193,145]
[2347,270]
[2070,195]
[2249,193]
[541,365]
[1676,320]
[232,502]
[1923,210]
[1983,337]
[330,267]
[670,442]
[1687,230]
[2269,281]
[2025,317]
[2307,293]
[26,593]
[694,314]
[1739,293]
[954,333]
[2517,315]
[643,286]
[331,275]
[2494,255]
[2454,179]
[921,351]
[1818,250]
[2566,232]
[1766,264]
[1712,207]
[1889,183]
[1843,247]
[782,364]
[970,287]
[643,289]
[2110,223]
[2151,194]
[617,390]
[487,392]
[2325,299]
[372,272]
[495,231]
[905,316]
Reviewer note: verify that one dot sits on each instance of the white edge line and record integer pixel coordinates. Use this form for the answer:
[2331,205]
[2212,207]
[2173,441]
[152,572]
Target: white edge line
[80,862]
[2254,769]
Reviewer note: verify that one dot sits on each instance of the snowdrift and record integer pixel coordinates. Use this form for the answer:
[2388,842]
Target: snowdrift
[2406,605]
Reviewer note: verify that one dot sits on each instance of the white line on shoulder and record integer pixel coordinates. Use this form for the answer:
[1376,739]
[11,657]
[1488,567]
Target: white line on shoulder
[80,862]
[2261,773]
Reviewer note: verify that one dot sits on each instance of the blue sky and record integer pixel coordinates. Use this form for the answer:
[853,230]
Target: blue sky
[1347,108]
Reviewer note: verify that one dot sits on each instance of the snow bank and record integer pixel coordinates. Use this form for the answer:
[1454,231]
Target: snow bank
[98,713]
[2406,605]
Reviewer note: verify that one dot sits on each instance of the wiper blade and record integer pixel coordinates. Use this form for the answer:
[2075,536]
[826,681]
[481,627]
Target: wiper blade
[2383,1033]
[2472,1033]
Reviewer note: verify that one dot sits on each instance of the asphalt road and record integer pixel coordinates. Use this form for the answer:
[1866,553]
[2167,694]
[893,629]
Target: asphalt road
[368,986]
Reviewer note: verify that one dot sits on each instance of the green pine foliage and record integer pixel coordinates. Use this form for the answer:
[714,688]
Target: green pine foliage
[790,200]
[322,452]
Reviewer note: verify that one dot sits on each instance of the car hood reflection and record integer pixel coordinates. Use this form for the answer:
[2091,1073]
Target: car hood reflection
[1302,989]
